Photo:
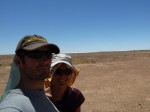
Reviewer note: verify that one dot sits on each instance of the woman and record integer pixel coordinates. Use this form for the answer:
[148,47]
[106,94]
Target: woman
[58,87]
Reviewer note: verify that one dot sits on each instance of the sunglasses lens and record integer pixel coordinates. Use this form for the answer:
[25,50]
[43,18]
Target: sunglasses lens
[68,71]
[58,71]
[63,71]
[38,54]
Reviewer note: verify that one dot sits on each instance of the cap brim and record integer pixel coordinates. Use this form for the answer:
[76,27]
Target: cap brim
[55,63]
[52,47]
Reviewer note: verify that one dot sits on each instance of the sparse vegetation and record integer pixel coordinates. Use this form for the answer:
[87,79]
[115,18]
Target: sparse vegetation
[110,81]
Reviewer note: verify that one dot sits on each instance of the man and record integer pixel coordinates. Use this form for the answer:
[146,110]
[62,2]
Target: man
[25,88]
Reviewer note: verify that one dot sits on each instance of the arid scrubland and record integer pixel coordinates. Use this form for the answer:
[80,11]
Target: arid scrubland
[110,81]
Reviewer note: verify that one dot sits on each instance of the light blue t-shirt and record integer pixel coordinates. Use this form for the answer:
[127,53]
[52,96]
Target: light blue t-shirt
[25,100]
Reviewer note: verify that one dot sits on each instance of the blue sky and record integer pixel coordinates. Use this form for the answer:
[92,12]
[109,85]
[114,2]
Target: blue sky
[77,25]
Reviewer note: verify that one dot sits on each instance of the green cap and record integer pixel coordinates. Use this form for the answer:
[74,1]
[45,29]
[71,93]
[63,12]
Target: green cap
[33,42]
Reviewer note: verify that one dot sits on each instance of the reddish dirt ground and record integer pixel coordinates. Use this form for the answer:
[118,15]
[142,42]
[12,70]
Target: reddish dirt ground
[110,81]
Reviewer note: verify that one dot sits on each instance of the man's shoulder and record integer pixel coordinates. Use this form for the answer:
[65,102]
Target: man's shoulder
[15,100]
[15,96]
[27,101]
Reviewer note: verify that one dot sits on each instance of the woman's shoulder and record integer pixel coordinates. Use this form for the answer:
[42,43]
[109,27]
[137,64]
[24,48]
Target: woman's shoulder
[73,99]
[76,94]
[76,91]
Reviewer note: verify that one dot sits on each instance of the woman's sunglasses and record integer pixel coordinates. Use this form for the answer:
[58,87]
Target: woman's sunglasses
[37,54]
[66,71]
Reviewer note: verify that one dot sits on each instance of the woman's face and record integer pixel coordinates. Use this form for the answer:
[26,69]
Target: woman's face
[62,75]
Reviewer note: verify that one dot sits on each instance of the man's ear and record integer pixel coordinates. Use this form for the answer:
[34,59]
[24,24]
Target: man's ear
[18,61]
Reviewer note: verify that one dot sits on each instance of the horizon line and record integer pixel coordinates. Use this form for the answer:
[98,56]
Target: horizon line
[94,51]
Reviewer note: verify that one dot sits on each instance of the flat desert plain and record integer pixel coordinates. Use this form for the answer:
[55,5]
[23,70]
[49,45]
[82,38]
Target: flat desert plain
[110,81]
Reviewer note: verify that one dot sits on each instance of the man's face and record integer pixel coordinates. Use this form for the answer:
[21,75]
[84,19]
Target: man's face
[36,69]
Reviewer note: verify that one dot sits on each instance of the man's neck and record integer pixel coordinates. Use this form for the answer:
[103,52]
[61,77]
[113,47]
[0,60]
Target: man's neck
[35,85]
